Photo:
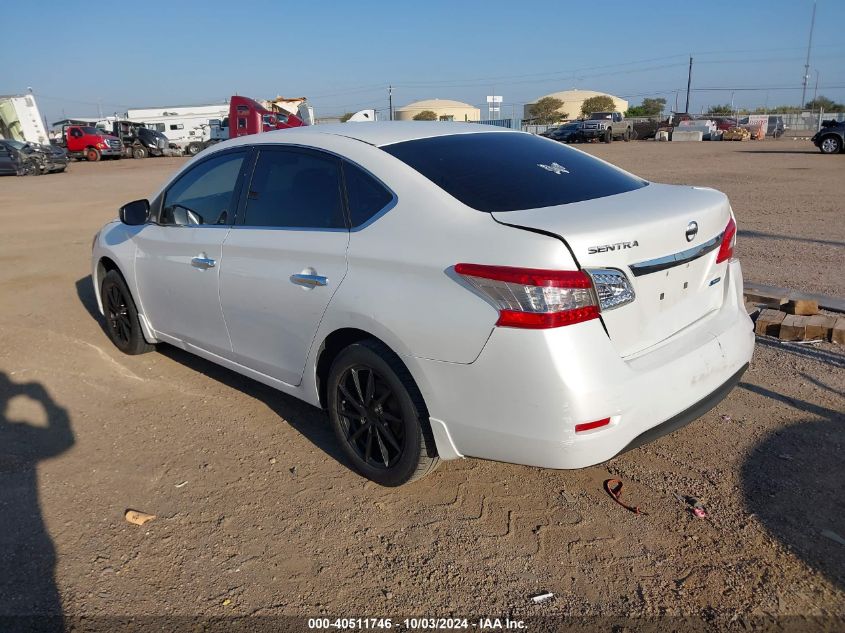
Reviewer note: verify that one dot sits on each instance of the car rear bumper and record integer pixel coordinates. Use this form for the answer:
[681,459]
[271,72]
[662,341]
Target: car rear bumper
[521,399]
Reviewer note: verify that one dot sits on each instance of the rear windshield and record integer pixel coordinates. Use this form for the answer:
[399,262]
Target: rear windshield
[505,171]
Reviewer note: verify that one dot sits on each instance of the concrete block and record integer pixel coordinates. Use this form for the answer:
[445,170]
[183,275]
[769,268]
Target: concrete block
[819,327]
[661,135]
[793,328]
[680,135]
[802,306]
[837,334]
[768,323]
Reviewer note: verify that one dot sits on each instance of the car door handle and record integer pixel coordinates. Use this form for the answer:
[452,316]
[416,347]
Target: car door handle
[203,263]
[309,280]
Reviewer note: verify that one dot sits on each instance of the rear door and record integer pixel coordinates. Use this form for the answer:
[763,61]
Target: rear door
[284,259]
[178,256]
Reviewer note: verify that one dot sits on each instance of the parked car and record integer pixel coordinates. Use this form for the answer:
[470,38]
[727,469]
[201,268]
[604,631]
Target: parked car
[606,126]
[566,133]
[441,289]
[774,125]
[50,158]
[17,160]
[830,139]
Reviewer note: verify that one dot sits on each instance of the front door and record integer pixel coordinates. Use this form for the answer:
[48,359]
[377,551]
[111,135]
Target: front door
[284,260]
[178,256]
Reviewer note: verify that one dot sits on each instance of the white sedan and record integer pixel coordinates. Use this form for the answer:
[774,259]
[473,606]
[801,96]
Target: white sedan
[443,290]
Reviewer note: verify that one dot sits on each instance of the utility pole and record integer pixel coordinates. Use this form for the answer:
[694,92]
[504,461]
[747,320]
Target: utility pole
[807,63]
[689,82]
[816,90]
[390,99]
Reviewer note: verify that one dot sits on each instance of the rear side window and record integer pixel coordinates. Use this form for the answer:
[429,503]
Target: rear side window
[507,171]
[365,194]
[295,189]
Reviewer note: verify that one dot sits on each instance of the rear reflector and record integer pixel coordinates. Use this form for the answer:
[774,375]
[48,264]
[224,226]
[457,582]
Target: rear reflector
[533,298]
[726,250]
[587,426]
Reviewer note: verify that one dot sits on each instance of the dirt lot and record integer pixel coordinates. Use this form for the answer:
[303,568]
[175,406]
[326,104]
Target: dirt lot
[259,515]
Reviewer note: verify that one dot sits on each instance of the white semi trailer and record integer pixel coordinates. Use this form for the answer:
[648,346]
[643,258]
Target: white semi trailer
[20,119]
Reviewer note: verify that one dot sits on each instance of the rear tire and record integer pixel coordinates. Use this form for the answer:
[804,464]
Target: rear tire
[193,149]
[122,323]
[379,416]
[626,136]
[92,155]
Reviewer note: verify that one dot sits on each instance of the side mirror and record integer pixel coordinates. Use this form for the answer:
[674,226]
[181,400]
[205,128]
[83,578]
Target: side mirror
[135,213]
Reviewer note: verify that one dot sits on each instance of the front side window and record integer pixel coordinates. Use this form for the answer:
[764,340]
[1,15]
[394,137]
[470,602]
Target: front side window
[205,194]
[295,189]
[176,126]
[507,171]
[365,194]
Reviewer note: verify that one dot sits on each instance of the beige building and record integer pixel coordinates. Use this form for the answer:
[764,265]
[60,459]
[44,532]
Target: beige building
[446,110]
[572,101]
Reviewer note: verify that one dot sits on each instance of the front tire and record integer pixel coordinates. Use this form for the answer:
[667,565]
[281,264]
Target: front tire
[193,149]
[139,152]
[830,145]
[608,136]
[379,416]
[32,168]
[92,155]
[122,323]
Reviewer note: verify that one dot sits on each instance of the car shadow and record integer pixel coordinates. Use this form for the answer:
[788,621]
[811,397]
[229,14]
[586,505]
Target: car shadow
[781,151]
[309,421]
[791,238]
[791,482]
[30,598]
[804,351]
[86,296]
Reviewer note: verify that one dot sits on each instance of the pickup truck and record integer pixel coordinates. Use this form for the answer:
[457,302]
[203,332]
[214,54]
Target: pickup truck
[90,143]
[606,126]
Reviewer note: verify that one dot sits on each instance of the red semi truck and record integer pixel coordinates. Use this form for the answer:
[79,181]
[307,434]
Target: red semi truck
[247,116]
[90,143]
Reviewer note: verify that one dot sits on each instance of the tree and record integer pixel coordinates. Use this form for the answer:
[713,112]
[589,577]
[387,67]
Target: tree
[648,108]
[346,117]
[547,110]
[426,115]
[828,105]
[720,109]
[599,103]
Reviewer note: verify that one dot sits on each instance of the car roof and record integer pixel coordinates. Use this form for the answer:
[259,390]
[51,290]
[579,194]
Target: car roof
[380,133]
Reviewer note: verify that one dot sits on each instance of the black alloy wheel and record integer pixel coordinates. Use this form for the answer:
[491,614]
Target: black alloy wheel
[371,417]
[379,416]
[122,323]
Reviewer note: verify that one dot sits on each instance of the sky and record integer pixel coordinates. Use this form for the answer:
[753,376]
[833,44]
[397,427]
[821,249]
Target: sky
[81,58]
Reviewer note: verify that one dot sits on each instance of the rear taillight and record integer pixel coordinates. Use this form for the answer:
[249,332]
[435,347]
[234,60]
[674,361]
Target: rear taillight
[533,298]
[726,250]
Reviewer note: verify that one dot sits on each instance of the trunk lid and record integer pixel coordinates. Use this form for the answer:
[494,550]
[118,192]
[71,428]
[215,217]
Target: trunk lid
[644,233]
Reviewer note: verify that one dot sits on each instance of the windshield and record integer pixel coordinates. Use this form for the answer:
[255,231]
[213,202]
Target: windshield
[15,144]
[507,171]
[595,116]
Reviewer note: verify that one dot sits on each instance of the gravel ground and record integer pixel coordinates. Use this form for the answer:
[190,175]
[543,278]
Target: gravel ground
[258,514]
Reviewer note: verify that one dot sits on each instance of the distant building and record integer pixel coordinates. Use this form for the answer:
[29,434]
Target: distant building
[572,102]
[445,109]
